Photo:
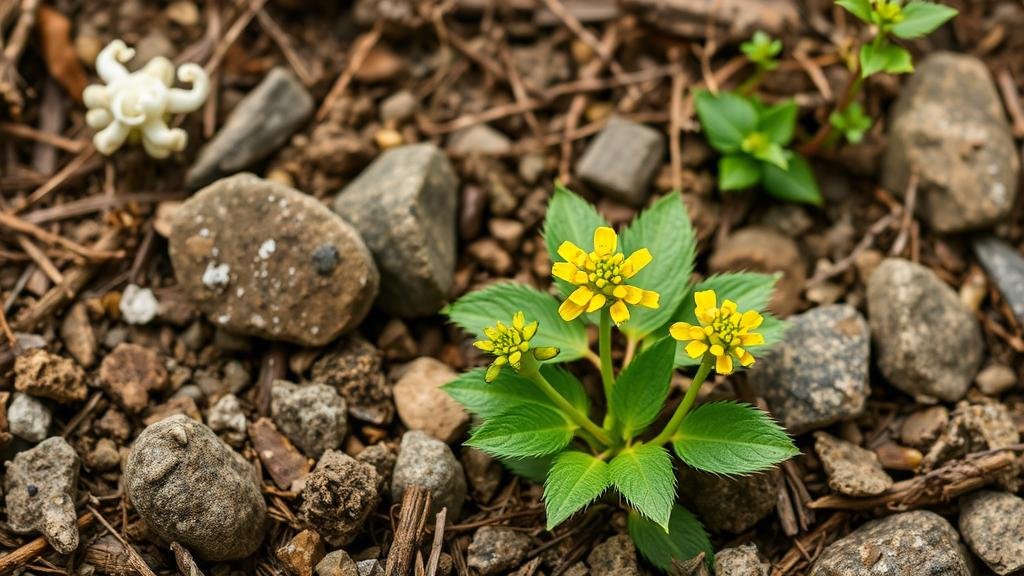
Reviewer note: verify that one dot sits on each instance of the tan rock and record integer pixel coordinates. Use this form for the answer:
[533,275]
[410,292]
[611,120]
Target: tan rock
[421,403]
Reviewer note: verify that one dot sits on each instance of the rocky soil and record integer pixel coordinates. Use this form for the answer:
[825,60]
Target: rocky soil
[229,361]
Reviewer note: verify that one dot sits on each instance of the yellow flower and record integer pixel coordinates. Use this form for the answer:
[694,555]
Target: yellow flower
[600,276]
[723,332]
[508,344]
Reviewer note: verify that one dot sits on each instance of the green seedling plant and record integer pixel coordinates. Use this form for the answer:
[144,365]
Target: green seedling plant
[534,414]
[754,140]
[889,22]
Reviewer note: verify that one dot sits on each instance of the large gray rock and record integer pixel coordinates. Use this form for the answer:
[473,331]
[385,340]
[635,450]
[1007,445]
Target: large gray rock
[339,496]
[263,259]
[992,524]
[312,416]
[404,206]
[916,543]
[806,392]
[191,487]
[1005,266]
[260,123]
[430,463]
[622,160]
[948,127]
[926,343]
[39,490]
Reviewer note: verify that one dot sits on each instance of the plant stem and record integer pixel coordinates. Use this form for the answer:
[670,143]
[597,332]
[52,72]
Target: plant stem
[531,370]
[605,349]
[684,407]
[849,96]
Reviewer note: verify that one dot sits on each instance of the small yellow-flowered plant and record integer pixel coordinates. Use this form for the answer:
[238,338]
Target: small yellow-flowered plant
[508,344]
[600,276]
[723,332]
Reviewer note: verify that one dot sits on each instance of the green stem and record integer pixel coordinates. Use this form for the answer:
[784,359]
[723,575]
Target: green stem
[531,370]
[605,349]
[673,425]
[750,84]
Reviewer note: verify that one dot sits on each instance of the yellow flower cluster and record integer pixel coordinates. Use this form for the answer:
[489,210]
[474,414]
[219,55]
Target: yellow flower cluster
[600,277]
[723,332]
[508,344]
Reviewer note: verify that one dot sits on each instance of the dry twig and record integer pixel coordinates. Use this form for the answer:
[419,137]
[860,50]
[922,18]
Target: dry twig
[409,531]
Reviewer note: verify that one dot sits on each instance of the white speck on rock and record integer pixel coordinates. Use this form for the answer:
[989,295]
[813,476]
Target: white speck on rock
[267,248]
[216,275]
[240,292]
[204,232]
[138,305]
[257,321]
[223,318]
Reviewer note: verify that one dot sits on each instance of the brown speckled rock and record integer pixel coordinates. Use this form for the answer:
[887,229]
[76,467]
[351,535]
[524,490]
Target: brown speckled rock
[497,549]
[760,249]
[948,126]
[992,524]
[265,260]
[851,469]
[39,488]
[974,428]
[818,374]
[191,487]
[731,505]
[615,556]
[339,496]
[421,403]
[926,343]
[40,373]
[740,561]
[130,373]
[404,206]
[918,543]
[355,368]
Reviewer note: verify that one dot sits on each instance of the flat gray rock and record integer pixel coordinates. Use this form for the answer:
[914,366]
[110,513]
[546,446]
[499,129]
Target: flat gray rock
[1005,266]
[948,127]
[806,392]
[313,416]
[622,160]
[403,205]
[259,124]
[191,487]
[992,524]
[926,343]
[39,490]
[918,543]
[262,259]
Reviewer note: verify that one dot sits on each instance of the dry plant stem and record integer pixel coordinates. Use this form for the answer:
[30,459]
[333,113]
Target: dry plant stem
[668,434]
[361,49]
[530,369]
[852,89]
[409,531]
[134,559]
[30,551]
[16,224]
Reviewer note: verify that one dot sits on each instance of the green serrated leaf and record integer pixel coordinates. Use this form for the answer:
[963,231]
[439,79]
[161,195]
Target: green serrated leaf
[750,291]
[643,474]
[641,388]
[571,218]
[796,184]
[731,438]
[921,18]
[726,119]
[498,302]
[575,480]
[778,122]
[859,8]
[523,431]
[666,231]
[884,57]
[510,389]
[685,539]
[737,172]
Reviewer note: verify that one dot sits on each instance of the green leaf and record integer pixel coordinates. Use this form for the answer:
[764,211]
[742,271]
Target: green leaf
[852,122]
[509,390]
[797,184]
[575,480]
[738,171]
[859,8]
[732,438]
[884,57]
[666,231]
[571,218]
[523,431]
[498,302]
[643,474]
[641,388]
[685,539]
[920,18]
[778,122]
[749,290]
[774,154]
[534,469]
[726,119]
